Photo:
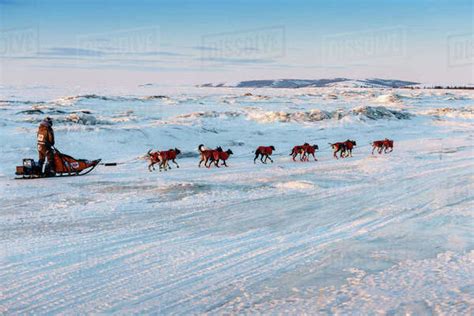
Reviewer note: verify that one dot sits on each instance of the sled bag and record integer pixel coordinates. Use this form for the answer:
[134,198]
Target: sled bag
[67,164]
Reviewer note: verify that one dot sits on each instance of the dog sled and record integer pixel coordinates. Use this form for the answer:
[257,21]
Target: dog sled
[64,165]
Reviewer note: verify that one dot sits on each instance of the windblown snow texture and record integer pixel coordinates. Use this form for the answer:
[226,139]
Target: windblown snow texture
[383,234]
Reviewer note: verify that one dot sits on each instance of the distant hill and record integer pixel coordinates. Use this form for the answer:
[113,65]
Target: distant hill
[318,83]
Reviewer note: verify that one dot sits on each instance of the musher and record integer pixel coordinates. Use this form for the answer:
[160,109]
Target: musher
[45,138]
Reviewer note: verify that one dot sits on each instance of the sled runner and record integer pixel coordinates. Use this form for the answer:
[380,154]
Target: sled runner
[65,166]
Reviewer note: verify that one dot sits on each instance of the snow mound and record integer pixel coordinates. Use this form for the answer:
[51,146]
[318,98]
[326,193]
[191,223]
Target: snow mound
[256,97]
[316,115]
[286,117]
[208,114]
[463,112]
[331,96]
[380,112]
[81,118]
[31,112]
[313,115]
[84,118]
[295,185]
[155,97]
[72,100]
[259,98]
[388,98]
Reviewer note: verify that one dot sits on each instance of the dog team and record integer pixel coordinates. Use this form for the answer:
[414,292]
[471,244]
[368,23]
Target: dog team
[210,156]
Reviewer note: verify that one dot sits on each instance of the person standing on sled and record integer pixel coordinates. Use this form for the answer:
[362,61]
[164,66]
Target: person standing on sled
[45,138]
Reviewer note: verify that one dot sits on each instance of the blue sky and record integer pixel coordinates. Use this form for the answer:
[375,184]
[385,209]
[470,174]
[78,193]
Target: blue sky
[187,42]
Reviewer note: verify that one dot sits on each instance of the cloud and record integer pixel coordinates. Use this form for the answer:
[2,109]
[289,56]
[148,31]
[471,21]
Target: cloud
[160,53]
[204,48]
[226,60]
[69,51]
[110,52]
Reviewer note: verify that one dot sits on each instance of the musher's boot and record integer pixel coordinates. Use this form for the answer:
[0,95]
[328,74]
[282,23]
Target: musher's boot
[39,167]
[48,171]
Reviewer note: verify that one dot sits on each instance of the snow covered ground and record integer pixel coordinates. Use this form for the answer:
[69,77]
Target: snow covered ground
[366,235]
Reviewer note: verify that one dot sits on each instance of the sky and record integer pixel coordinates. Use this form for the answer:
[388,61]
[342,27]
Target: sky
[91,43]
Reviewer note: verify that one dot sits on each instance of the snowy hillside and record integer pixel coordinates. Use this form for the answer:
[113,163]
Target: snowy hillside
[373,234]
[299,83]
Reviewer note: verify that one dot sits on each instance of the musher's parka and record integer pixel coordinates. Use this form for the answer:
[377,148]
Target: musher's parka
[45,137]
